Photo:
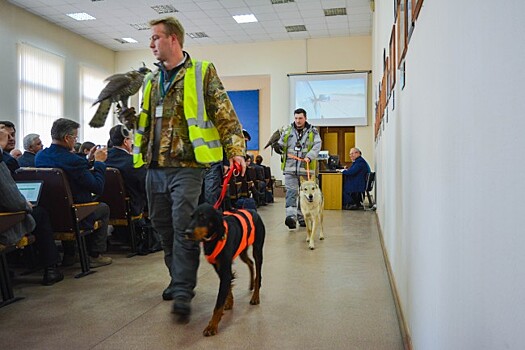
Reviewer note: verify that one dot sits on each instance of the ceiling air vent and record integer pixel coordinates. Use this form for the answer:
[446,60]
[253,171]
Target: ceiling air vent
[276,2]
[161,9]
[339,11]
[197,35]
[299,28]
[140,26]
[120,41]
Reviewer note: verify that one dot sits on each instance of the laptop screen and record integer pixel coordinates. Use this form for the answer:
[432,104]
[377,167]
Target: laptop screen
[31,190]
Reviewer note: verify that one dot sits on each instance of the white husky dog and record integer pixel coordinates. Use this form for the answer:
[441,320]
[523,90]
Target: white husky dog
[312,202]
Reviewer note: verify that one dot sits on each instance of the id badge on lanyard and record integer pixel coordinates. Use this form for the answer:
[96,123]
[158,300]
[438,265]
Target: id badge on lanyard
[158,110]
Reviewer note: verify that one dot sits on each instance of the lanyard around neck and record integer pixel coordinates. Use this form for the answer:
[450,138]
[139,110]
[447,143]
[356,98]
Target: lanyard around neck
[165,86]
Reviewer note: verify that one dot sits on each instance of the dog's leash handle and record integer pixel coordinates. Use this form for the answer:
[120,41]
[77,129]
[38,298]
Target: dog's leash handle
[235,170]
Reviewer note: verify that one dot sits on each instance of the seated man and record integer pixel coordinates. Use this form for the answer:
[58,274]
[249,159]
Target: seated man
[36,222]
[16,153]
[32,145]
[10,161]
[82,181]
[120,157]
[355,181]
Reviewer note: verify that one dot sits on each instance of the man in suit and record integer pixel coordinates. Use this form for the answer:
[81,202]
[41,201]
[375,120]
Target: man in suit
[120,157]
[10,161]
[83,182]
[32,145]
[355,181]
[36,222]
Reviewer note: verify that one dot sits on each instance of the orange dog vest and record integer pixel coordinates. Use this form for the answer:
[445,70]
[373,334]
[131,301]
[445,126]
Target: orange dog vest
[248,234]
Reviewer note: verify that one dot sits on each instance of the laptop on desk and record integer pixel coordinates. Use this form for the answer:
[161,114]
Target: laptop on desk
[31,190]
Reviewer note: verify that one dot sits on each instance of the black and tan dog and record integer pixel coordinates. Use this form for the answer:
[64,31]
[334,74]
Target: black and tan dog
[224,238]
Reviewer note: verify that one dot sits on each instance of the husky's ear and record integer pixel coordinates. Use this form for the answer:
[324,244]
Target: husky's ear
[301,179]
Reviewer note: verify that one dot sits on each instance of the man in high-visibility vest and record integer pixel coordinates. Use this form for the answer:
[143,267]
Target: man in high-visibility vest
[185,121]
[300,140]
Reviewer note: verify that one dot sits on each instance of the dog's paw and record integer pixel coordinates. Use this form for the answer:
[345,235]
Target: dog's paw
[210,330]
[311,247]
[321,238]
[255,301]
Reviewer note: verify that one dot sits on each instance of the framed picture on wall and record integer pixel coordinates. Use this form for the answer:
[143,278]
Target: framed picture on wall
[396,6]
[402,75]
[409,22]
[416,8]
[401,33]
[392,54]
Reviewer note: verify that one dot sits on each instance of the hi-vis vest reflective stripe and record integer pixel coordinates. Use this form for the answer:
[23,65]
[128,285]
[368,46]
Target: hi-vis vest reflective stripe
[203,135]
[313,162]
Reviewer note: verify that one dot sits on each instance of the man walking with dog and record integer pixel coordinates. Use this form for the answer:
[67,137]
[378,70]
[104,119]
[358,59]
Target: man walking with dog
[299,145]
[185,121]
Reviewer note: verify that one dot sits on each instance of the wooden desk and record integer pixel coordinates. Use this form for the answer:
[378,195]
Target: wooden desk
[332,187]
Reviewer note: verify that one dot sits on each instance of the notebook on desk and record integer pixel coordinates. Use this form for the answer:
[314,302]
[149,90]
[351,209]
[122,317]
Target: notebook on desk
[31,190]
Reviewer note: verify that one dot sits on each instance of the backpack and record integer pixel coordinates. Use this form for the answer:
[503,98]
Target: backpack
[148,239]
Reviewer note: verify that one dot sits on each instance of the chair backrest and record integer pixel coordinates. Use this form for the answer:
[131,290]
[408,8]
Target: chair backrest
[267,172]
[370,181]
[114,194]
[251,174]
[56,195]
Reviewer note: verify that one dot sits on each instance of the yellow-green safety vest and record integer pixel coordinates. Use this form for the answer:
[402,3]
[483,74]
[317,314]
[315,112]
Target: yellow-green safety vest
[204,136]
[313,162]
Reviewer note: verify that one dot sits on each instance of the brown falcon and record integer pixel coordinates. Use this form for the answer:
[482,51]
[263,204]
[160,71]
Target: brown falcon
[118,89]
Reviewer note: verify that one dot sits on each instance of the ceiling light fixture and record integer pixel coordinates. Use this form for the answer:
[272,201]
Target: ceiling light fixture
[130,40]
[81,16]
[245,18]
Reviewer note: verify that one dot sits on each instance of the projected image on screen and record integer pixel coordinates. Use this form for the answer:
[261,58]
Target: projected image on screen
[331,99]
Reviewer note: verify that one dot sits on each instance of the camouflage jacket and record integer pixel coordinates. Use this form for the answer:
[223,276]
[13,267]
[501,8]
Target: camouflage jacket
[175,148]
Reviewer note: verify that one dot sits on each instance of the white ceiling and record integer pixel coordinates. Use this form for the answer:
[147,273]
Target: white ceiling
[114,19]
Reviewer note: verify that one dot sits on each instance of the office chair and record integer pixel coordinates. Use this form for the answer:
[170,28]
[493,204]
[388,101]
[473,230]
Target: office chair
[370,181]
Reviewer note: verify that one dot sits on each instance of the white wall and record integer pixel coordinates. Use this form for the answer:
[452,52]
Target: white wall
[275,60]
[17,25]
[449,163]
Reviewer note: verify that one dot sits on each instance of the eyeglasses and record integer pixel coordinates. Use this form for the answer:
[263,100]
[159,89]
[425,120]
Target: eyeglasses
[75,138]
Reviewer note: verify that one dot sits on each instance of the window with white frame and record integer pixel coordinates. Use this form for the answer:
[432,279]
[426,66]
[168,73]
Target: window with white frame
[41,91]
[91,84]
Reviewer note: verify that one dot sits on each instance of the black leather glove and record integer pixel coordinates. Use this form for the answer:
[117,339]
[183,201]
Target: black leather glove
[277,148]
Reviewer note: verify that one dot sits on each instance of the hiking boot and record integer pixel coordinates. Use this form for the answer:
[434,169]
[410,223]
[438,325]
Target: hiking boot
[51,276]
[181,307]
[99,261]
[167,294]
[290,222]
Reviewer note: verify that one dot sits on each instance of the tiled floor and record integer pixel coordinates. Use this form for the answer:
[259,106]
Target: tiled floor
[334,297]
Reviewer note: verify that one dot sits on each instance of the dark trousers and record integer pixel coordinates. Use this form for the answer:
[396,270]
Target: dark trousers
[44,242]
[357,198]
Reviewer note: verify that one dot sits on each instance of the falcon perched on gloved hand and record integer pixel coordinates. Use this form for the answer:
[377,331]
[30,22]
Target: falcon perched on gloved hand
[274,140]
[119,88]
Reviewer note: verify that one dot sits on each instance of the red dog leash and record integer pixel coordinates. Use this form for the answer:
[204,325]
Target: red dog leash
[234,170]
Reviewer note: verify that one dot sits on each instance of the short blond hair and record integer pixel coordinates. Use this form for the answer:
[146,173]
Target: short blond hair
[171,26]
